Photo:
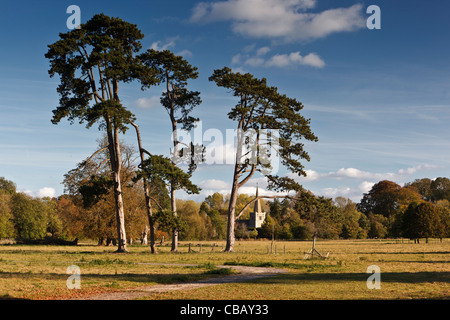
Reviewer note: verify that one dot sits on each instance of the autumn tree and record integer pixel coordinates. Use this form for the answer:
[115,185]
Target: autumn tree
[261,112]
[381,199]
[350,218]
[440,189]
[6,216]
[423,187]
[214,208]
[71,216]
[179,102]
[7,190]
[91,190]
[7,186]
[92,62]
[422,220]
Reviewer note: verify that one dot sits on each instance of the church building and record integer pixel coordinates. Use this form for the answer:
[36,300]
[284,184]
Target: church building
[257,216]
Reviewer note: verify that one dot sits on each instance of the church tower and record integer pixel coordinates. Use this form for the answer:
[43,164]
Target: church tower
[257,217]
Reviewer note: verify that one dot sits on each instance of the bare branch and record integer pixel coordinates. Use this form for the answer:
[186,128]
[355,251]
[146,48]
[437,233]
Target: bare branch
[244,181]
[100,165]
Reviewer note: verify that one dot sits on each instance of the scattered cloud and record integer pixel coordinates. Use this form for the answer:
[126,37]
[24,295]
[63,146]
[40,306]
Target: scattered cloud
[294,58]
[167,44]
[42,193]
[46,192]
[257,59]
[214,184]
[148,103]
[170,44]
[354,173]
[184,53]
[353,193]
[280,19]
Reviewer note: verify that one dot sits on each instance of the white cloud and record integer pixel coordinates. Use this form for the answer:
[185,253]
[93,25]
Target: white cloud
[219,153]
[354,173]
[262,51]
[169,44]
[355,193]
[184,53]
[365,186]
[214,184]
[280,19]
[46,192]
[294,58]
[278,60]
[148,103]
[166,45]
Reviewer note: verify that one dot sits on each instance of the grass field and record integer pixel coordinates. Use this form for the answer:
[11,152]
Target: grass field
[408,270]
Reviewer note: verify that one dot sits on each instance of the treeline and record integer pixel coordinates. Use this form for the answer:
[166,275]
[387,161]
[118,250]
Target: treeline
[26,218]
[419,209]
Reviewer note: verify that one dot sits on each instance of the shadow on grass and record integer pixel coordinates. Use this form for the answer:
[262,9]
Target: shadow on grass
[400,277]
[8,297]
[397,252]
[107,278]
[392,277]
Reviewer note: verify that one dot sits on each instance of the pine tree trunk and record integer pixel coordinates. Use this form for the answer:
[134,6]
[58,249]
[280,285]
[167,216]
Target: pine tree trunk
[148,203]
[174,231]
[116,166]
[173,200]
[232,214]
[120,213]
[234,193]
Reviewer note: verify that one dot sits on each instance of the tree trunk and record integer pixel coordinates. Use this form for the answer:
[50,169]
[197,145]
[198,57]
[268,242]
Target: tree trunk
[173,204]
[116,166]
[120,214]
[148,203]
[232,212]
[144,236]
[173,200]
[234,193]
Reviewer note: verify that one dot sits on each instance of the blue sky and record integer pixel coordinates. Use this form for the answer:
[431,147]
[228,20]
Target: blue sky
[378,99]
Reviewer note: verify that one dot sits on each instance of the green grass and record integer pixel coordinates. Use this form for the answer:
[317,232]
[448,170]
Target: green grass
[417,271]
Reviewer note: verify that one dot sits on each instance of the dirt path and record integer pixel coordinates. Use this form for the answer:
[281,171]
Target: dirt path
[245,274]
